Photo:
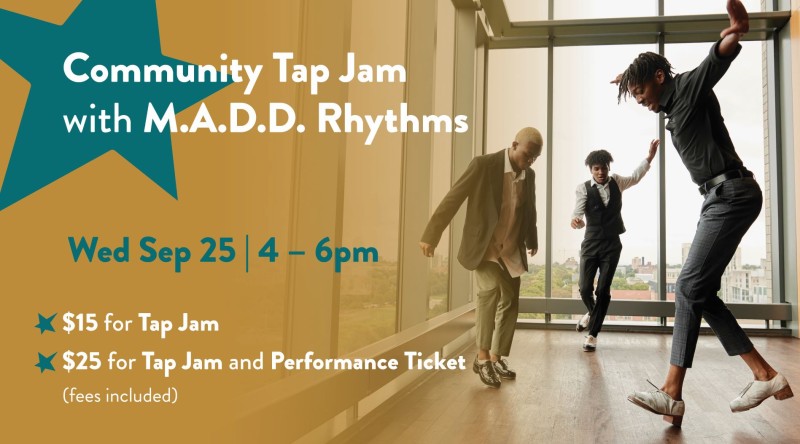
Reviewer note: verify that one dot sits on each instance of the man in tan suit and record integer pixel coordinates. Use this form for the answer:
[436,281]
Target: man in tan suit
[500,225]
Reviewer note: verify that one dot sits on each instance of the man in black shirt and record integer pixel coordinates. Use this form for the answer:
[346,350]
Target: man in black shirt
[732,201]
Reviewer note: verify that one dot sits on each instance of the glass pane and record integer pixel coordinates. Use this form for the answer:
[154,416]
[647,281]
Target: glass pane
[438,275]
[741,96]
[516,98]
[592,9]
[526,10]
[368,293]
[689,7]
[586,117]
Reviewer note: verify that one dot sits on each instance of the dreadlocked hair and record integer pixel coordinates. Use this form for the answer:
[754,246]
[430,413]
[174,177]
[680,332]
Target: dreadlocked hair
[599,157]
[641,70]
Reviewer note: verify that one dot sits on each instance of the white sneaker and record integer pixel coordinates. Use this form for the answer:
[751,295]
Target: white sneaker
[590,344]
[583,323]
[660,403]
[757,392]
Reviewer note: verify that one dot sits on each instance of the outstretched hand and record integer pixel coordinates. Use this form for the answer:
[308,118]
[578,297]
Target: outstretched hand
[617,79]
[740,21]
[651,154]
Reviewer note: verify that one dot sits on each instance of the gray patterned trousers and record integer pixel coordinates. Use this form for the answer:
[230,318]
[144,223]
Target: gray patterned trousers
[727,213]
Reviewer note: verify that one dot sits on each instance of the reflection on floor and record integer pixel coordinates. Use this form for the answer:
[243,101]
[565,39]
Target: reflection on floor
[563,394]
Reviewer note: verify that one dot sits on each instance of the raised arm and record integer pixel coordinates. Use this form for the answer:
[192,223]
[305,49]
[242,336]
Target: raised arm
[626,182]
[740,24]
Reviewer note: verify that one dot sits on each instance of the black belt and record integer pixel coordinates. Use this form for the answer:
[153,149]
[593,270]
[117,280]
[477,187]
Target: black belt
[727,175]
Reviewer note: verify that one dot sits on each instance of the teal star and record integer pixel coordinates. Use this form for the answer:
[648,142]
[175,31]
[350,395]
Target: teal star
[110,33]
[46,324]
[45,362]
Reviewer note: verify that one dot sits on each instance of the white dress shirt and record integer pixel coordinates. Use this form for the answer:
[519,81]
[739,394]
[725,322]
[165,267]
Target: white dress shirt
[623,183]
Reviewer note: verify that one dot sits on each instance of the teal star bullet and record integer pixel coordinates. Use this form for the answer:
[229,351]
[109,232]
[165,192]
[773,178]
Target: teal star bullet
[45,363]
[46,324]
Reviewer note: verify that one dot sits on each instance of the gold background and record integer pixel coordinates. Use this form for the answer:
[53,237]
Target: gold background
[297,188]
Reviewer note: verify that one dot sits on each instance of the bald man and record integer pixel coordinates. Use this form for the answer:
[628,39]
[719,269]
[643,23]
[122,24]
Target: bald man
[500,227]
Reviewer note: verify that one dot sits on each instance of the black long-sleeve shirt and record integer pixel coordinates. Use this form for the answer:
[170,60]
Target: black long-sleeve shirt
[695,122]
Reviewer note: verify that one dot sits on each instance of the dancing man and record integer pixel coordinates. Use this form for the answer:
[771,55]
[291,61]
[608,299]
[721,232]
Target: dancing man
[500,224]
[732,202]
[600,198]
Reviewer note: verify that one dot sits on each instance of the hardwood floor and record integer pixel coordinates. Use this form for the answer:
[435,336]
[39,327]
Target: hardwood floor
[563,394]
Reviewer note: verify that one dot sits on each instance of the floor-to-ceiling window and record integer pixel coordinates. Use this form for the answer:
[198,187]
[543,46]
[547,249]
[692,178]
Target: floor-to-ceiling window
[442,153]
[368,292]
[661,212]
[586,117]
[516,98]
[741,93]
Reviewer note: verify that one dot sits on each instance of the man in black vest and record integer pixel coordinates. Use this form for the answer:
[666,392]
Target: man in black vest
[600,198]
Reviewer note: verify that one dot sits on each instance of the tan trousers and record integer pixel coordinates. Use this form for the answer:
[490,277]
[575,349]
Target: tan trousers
[497,308]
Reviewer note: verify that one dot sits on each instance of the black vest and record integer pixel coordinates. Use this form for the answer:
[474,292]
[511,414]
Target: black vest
[603,221]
